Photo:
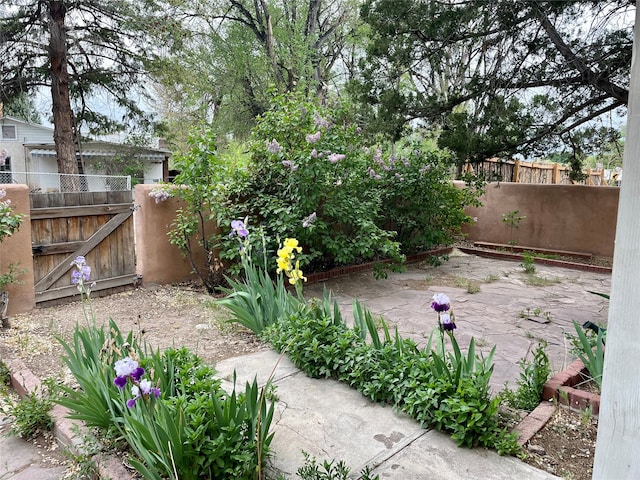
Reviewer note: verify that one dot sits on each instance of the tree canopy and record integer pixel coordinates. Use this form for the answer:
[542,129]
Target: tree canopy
[79,49]
[497,77]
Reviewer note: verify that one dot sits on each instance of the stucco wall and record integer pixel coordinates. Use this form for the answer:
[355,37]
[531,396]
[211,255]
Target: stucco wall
[561,217]
[16,248]
[156,259]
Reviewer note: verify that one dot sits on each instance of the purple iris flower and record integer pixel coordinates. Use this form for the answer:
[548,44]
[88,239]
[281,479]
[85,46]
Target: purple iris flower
[238,228]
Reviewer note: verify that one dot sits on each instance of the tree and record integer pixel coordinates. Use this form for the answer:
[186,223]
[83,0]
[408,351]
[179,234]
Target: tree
[543,69]
[241,48]
[79,49]
[24,108]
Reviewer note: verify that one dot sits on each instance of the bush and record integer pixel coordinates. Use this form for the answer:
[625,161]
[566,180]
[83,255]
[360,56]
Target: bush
[449,391]
[193,429]
[534,374]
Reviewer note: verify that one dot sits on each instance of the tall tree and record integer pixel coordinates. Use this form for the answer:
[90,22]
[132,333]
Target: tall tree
[79,49]
[498,76]
[240,48]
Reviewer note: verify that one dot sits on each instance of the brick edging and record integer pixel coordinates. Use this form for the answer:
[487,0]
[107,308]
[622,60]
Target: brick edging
[560,388]
[24,382]
[543,261]
[534,421]
[368,266]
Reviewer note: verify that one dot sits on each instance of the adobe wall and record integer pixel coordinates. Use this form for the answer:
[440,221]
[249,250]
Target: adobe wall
[157,261]
[560,217]
[16,248]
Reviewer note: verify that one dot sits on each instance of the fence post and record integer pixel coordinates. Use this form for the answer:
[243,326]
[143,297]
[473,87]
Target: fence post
[589,180]
[555,175]
[516,171]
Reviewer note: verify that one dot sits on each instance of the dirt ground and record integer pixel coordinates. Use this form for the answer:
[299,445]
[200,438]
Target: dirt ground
[164,316]
[566,445]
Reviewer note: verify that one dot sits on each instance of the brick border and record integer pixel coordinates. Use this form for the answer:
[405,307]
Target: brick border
[543,261]
[560,388]
[24,382]
[365,267]
[533,423]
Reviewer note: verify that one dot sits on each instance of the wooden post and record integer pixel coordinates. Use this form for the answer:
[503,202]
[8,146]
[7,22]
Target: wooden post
[555,175]
[619,422]
[516,171]
[589,180]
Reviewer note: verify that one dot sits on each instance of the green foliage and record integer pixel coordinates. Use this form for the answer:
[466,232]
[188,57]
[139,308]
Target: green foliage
[307,160]
[257,301]
[512,220]
[203,178]
[419,201]
[448,390]
[12,275]
[32,413]
[591,352]
[329,470]
[193,430]
[9,220]
[533,376]
[528,263]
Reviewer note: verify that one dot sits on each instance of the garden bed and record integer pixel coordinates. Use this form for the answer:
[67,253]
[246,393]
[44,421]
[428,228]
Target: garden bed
[563,388]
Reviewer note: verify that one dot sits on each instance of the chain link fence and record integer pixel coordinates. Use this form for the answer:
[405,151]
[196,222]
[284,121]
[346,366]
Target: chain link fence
[62,182]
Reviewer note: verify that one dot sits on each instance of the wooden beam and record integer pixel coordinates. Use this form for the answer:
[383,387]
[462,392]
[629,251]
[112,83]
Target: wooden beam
[55,248]
[80,211]
[71,290]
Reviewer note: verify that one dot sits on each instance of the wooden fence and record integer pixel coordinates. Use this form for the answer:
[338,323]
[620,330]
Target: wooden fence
[498,170]
[96,225]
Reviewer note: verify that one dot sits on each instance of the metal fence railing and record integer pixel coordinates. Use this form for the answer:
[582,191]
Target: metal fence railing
[62,182]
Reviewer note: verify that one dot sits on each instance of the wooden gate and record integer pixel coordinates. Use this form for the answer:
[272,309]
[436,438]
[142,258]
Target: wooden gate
[96,225]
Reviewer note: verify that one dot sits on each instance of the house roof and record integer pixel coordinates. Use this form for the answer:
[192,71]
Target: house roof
[87,146]
[17,120]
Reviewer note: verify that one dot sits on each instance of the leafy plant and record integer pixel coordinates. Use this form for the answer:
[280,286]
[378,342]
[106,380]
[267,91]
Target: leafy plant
[591,356]
[533,376]
[9,220]
[449,390]
[528,263]
[12,275]
[329,470]
[512,220]
[32,413]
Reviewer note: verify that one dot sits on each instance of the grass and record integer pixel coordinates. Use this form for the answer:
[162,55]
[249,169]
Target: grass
[538,281]
[472,286]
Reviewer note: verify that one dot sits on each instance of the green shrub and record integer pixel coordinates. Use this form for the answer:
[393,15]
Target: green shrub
[193,430]
[419,200]
[32,414]
[448,390]
[533,375]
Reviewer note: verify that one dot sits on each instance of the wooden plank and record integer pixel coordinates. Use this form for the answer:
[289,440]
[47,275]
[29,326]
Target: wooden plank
[95,239]
[72,290]
[55,248]
[78,211]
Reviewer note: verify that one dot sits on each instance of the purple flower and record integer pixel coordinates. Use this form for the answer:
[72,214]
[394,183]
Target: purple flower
[273,146]
[440,302]
[290,164]
[125,369]
[237,227]
[358,130]
[321,121]
[313,138]
[447,324]
[144,388]
[79,262]
[314,153]
[336,157]
[82,275]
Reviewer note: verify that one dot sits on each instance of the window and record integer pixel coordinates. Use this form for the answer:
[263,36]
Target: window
[9,132]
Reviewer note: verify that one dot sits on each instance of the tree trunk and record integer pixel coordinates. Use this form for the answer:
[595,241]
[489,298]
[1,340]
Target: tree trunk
[61,103]
[619,423]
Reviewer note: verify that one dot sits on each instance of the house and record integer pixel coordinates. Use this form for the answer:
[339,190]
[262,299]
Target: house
[28,155]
